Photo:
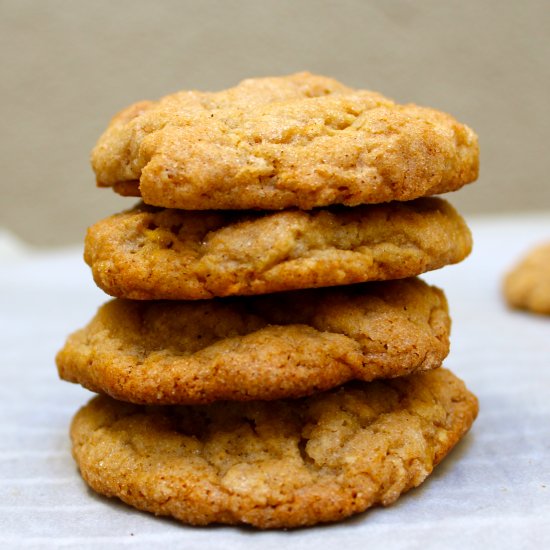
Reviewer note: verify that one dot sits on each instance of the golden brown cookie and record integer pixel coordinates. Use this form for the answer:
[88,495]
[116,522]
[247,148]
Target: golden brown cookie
[271,143]
[279,463]
[151,253]
[267,347]
[527,286]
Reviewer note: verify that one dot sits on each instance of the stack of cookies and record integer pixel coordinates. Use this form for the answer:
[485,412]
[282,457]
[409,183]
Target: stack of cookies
[270,357]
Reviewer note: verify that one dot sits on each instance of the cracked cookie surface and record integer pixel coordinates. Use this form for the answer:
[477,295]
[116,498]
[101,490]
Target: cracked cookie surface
[274,464]
[151,253]
[263,347]
[527,286]
[271,143]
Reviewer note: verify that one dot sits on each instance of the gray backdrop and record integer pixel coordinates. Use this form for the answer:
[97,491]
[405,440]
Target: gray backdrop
[68,66]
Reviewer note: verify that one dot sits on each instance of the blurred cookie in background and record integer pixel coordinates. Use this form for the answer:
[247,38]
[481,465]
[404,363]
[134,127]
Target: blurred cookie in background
[527,285]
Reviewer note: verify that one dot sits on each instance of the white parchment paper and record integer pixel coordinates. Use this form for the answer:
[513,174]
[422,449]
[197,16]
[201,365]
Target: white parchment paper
[493,491]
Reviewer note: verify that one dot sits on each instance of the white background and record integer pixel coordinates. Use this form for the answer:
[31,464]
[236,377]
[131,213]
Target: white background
[493,491]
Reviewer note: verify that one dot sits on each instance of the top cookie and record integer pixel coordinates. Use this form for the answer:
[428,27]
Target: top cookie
[271,143]
[527,286]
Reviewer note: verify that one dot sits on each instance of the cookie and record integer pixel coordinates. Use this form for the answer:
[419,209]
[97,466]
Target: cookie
[527,286]
[272,143]
[263,347]
[150,253]
[274,464]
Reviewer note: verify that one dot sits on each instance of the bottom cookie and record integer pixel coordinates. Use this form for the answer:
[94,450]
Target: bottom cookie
[274,464]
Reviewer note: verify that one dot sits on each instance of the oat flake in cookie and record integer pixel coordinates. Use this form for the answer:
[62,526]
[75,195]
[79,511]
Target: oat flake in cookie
[274,464]
[294,141]
[263,347]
